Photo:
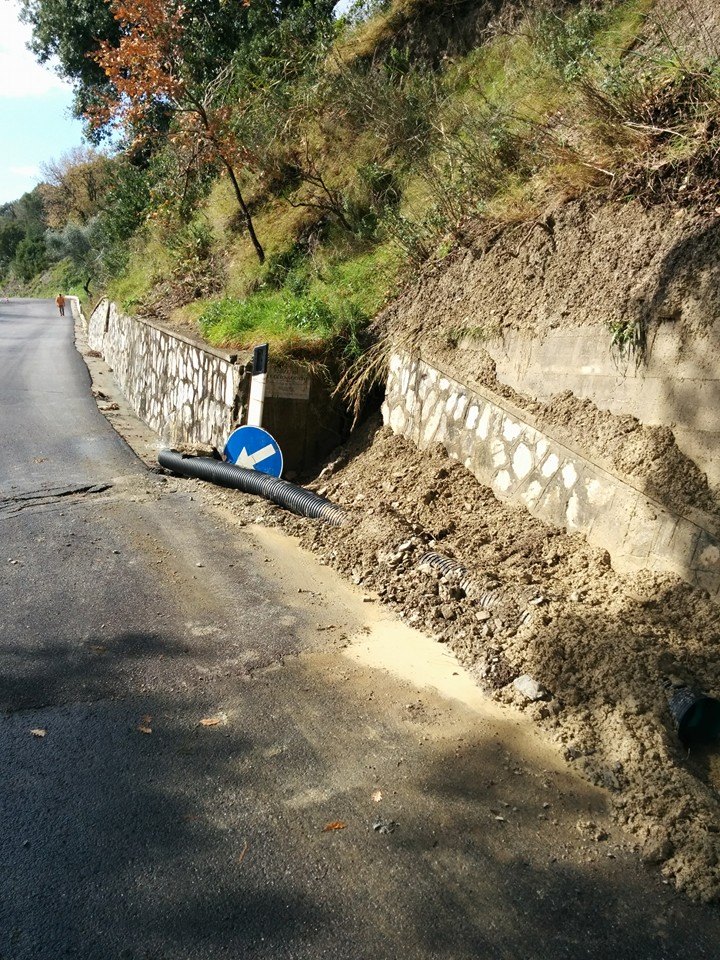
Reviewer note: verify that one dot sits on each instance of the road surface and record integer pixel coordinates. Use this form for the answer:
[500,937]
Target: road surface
[130,828]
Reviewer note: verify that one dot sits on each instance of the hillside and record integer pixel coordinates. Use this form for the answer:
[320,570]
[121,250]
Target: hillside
[400,137]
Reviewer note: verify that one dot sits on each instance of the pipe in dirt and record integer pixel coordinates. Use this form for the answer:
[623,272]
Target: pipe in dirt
[284,494]
[454,571]
[449,568]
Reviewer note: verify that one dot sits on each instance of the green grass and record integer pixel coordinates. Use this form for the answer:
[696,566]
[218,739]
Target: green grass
[319,300]
[149,261]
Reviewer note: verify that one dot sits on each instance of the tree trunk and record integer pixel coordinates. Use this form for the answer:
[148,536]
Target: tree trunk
[86,286]
[246,213]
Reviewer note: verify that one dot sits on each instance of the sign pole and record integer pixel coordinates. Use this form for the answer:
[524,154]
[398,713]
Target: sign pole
[257,386]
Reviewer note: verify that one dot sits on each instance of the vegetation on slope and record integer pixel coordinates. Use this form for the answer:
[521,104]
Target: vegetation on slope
[359,147]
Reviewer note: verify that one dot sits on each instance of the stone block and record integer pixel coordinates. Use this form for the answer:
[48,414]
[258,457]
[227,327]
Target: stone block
[483,427]
[397,420]
[706,558]
[498,452]
[610,524]
[642,530]
[578,513]
[531,492]
[460,407]
[522,461]
[569,474]
[511,429]
[551,505]
[502,482]
[684,542]
[550,465]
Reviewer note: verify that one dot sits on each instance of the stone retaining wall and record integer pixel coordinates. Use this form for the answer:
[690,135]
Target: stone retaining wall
[190,393]
[677,383]
[504,450]
[186,392]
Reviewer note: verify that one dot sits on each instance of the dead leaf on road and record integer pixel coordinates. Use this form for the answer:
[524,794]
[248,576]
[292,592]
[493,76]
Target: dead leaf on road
[211,721]
[142,729]
[98,649]
[38,733]
[242,854]
[146,720]
[335,825]
[377,796]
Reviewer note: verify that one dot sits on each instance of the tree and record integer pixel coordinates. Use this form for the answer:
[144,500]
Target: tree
[154,63]
[69,30]
[30,258]
[74,186]
[81,245]
[11,234]
[29,212]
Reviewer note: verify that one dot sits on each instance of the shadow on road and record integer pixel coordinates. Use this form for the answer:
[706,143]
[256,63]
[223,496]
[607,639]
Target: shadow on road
[198,841]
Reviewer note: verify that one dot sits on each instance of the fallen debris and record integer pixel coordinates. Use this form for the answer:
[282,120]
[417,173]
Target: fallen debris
[605,659]
[385,826]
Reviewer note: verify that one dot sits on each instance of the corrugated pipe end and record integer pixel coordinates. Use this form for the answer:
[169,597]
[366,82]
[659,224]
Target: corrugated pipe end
[298,500]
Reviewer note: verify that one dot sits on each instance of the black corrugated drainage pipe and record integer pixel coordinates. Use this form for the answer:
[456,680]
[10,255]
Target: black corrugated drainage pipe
[287,495]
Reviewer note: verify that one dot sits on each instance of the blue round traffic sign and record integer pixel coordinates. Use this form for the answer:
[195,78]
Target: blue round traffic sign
[254,449]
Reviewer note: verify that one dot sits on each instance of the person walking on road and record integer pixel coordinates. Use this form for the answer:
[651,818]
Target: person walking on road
[60,301]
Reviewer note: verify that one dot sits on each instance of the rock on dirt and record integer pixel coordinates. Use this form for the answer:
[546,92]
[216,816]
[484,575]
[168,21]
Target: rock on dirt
[528,688]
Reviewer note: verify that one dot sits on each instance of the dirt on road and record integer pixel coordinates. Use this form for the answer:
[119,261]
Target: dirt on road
[537,601]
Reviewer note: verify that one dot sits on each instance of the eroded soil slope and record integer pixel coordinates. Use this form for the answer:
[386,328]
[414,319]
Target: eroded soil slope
[579,263]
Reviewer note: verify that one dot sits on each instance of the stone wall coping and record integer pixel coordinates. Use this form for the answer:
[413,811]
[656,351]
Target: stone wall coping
[242,357]
[698,518]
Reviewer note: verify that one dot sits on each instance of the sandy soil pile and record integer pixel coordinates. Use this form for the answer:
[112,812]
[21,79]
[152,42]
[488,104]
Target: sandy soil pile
[649,455]
[538,601]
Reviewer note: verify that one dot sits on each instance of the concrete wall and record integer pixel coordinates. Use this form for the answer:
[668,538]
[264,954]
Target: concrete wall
[677,385]
[504,450]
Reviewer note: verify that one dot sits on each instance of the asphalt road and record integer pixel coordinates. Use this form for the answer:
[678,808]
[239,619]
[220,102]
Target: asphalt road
[132,830]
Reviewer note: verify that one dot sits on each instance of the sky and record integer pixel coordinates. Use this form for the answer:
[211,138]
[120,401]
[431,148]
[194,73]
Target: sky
[35,117]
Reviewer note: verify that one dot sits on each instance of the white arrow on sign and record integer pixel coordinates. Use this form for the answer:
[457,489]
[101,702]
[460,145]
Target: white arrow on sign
[249,460]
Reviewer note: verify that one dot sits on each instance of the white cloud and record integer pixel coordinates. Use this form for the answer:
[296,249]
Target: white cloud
[20,74]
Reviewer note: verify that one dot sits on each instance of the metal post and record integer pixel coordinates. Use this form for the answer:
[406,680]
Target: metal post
[257,386]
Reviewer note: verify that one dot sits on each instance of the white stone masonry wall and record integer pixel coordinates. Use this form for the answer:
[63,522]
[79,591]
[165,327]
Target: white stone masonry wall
[555,483]
[185,392]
